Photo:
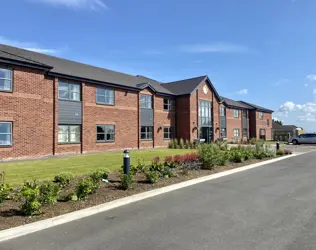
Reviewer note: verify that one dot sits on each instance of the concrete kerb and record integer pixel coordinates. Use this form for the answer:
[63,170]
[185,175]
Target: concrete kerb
[65,218]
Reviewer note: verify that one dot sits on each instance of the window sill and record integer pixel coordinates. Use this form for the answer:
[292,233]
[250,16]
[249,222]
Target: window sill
[69,143]
[5,146]
[68,100]
[146,139]
[104,104]
[167,139]
[105,141]
[6,91]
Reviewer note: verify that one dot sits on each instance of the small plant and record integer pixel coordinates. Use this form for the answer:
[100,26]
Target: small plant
[84,188]
[97,176]
[236,156]
[48,192]
[5,190]
[140,166]
[178,159]
[63,179]
[171,144]
[152,176]
[181,143]
[175,143]
[126,181]
[30,194]
[280,152]
[169,162]
[211,156]
[252,141]
[191,145]
[186,144]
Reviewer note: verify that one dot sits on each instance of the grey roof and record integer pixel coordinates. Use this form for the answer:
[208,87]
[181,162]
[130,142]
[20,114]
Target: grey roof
[277,126]
[259,108]
[76,69]
[183,87]
[232,103]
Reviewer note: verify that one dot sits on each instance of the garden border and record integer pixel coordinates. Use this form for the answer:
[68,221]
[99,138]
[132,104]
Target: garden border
[65,218]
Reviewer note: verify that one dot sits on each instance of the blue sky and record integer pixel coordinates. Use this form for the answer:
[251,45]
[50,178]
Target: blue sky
[261,51]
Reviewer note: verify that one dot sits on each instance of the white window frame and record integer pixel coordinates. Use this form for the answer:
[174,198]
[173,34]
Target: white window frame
[11,138]
[236,113]
[169,104]
[106,127]
[106,95]
[222,111]
[147,103]
[69,134]
[236,132]
[168,133]
[260,115]
[7,79]
[69,91]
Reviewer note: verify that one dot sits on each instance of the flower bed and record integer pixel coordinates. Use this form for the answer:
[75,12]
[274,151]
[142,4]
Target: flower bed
[37,201]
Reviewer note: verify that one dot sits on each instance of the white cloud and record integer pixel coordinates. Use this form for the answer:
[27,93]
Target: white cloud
[77,4]
[242,92]
[311,77]
[29,46]
[215,48]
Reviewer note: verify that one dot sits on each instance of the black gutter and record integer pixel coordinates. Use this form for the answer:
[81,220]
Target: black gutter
[25,64]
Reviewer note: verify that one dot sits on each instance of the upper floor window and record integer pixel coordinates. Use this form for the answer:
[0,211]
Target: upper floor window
[222,111]
[5,79]
[105,96]
[236,132]
[268,122]
[69,91]
[5,133]
[205,113]
[168,104]
[260,116]
[236,113]
[146,101]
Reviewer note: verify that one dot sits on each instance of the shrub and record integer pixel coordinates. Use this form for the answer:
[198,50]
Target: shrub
[126,181]
[181,143]
[196,165]
[97,176]
[175,143]
[252,141]
[140,166]
[191,145]
[236,156]
[169,162]
[186,144]
[84,188]
[5,190]
[171,144]
[48,192]
[280,152]
[63,179]
[211,156]
[178,159]
[190,157]
[152,176]
[30,194]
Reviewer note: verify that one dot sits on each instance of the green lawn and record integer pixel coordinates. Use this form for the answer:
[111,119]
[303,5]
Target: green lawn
[17,172]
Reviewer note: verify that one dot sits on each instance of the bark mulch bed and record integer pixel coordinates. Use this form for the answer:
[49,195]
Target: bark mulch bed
[11,217]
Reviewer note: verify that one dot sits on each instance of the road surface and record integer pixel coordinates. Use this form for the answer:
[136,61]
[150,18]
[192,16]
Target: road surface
[270,207]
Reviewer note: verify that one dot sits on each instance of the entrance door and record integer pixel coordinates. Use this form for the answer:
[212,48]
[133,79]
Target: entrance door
[206,134]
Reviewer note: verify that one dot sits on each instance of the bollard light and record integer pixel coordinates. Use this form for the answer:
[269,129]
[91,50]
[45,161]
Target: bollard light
[278,145]
[126,161]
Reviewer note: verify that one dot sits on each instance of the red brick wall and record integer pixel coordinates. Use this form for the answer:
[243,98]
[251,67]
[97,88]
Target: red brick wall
[124,115]
[262,124]
[233,123]
[161,119]
[30,108]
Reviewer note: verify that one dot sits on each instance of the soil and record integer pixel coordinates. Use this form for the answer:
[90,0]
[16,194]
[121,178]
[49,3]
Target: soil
[11,217]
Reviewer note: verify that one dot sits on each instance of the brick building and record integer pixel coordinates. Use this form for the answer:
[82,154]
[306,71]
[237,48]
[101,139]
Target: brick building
[52,106]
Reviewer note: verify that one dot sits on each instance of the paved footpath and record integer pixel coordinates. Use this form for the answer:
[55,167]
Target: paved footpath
[270,207]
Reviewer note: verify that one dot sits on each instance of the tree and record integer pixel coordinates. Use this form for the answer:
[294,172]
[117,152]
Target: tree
[277,121]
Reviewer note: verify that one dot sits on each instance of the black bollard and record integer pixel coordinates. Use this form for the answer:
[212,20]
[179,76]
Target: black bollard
[278,145]
[126,162]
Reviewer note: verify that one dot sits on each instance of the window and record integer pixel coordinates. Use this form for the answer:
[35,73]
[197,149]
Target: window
[68,91]
[260,116]
[105,96]
[236,113]
[167,133]
[268,122]
[105,133]
[168,105]
[244,114]
[223,133]
[236,132]
[146,133]
[69,134]
[146,101]
[222,111]
[245,132]
[5,133]
[5,79]
[262,134]
[205,113]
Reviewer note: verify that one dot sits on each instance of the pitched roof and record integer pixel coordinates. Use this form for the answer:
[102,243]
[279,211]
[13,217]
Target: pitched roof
[76,69]
[232,103]
[277,126]
[259,108]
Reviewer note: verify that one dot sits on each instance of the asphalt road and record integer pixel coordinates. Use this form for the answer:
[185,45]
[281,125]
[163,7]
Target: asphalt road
[270,207]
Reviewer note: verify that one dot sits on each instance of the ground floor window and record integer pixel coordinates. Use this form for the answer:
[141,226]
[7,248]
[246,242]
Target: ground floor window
[223,133]
[146,133]
[105,133]
[69,134]
[262,134]
[236,132]
[245,132]
[168,133]
[5,133]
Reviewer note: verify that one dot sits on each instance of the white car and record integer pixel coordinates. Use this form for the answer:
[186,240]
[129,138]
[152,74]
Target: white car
[303,139]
